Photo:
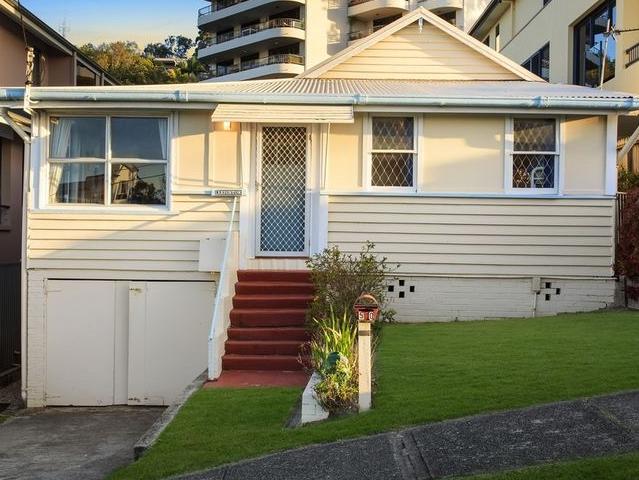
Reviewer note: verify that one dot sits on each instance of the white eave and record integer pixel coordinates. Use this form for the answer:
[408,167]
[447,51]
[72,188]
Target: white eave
[242,112]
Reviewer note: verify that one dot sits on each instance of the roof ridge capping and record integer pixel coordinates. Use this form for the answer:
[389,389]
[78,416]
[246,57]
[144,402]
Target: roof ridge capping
[412,17]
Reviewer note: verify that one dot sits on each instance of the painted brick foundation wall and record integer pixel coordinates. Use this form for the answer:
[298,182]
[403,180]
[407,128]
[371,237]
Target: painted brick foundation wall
[36,340]
[422,299]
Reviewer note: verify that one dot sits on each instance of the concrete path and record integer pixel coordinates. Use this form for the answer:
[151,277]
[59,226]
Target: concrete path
[467,446]
[71,443]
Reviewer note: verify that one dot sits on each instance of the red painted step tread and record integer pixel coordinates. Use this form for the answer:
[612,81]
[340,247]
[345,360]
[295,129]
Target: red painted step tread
[268,333]
[260,362]
[264,347]
[274,275]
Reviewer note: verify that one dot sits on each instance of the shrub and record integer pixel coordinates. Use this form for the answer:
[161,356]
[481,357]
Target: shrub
[627,180]
[627,257]
[339,279]
[334,357]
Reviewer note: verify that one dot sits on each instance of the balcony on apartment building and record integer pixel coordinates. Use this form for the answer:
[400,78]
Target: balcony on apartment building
[273,66]
[224,14]
[278,32]
[441,6]
[369,9]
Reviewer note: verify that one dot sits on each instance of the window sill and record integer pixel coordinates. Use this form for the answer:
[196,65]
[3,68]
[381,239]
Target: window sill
[338,193]
[105,211]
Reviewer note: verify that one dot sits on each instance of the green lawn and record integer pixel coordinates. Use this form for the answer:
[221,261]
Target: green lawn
[618,467]
[425,373]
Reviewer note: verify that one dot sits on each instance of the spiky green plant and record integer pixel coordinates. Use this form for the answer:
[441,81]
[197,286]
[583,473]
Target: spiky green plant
[334,357]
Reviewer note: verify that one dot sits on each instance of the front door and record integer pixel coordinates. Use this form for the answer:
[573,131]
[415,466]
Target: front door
[282,194]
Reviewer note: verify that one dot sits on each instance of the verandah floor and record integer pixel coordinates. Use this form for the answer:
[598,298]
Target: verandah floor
[425,373]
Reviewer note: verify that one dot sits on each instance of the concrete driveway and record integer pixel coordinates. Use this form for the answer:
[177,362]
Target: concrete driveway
[71,443]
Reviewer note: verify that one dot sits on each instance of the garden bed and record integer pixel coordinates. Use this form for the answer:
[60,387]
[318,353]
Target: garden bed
[424,373]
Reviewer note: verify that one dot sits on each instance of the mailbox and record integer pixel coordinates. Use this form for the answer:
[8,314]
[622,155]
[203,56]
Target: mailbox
[366,308]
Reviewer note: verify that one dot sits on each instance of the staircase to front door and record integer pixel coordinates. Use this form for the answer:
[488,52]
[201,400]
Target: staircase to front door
[268,321]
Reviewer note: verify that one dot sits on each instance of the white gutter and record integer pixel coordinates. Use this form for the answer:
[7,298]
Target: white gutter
[182,96]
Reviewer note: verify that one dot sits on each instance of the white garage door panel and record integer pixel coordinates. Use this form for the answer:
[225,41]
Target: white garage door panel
[80,342]
[168,331]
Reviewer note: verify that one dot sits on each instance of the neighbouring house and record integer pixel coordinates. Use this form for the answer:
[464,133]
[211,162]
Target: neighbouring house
[566,42]
[161,218]
[55,62]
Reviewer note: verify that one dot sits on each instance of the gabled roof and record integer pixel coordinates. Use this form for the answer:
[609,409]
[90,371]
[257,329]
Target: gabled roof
[422,17]
[17,13]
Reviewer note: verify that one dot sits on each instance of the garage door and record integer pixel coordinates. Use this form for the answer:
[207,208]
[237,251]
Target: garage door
[119,342]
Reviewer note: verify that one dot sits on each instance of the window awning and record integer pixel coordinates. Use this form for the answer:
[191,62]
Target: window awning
[237,112]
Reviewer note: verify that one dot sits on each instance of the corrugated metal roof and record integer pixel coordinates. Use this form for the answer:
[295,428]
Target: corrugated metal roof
[319,91]
[385,88]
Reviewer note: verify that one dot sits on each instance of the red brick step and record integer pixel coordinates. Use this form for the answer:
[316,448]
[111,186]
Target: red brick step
[302,276]
[272,301]
[263,347]
[260,362]
[296,288]
[274,317]
[269,333]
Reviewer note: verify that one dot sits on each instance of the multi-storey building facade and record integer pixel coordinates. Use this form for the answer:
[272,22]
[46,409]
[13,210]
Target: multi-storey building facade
[569,42]
[249,39]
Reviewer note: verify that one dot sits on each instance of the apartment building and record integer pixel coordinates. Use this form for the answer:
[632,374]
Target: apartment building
[250,39]
[566,41]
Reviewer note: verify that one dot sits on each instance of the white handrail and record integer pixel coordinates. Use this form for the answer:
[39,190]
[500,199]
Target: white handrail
[214,366]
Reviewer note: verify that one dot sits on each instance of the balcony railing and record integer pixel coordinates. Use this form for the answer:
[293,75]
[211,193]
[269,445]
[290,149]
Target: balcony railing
[364,33]
[218,5]
[633,55]
[352,3]
[221,71]
[253,29]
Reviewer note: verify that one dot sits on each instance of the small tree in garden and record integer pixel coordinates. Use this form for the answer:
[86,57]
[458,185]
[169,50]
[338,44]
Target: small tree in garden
[627,258]
[340,279]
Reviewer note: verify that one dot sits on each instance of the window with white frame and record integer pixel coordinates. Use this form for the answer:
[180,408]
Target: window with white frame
[392,152]
[108,160]
[535,155]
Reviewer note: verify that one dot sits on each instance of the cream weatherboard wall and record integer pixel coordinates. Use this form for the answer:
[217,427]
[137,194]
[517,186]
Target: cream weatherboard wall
[451,163]
[417,55]
[135,254]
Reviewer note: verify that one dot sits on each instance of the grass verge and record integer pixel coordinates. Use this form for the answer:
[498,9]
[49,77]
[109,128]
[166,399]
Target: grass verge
[425,373]
[618,467]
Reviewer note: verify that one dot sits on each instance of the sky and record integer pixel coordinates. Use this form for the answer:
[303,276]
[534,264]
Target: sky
[98,21]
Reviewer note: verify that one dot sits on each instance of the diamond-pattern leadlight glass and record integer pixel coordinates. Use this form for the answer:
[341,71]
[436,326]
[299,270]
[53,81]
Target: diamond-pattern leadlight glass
[393,152]
[283,190]
[536,167]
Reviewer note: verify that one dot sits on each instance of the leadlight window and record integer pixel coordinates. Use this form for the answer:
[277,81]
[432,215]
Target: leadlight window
[393,152]
[112,160]
[535,155]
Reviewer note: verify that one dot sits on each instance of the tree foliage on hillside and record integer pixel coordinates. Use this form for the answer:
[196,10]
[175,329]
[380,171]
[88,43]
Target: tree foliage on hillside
[125,62]
[174,46]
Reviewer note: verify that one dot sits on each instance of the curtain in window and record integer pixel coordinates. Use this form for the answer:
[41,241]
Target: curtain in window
[162,127]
